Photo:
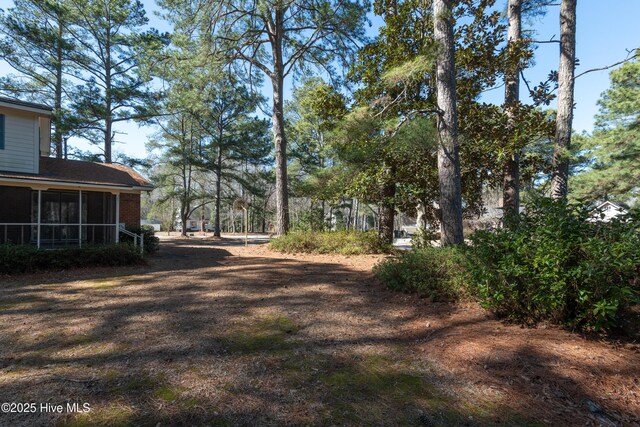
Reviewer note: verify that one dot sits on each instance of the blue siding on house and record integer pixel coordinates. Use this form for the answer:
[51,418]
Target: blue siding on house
[21,149]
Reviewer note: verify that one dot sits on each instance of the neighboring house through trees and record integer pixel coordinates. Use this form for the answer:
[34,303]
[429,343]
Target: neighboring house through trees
[607,211]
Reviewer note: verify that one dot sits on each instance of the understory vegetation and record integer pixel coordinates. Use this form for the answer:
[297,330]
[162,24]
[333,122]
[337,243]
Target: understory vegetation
[553,263]
[17,259]
[331,242]
[437,273]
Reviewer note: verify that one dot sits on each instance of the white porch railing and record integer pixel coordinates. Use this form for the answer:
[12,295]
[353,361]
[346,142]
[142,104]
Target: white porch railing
[58,234]
[137,238]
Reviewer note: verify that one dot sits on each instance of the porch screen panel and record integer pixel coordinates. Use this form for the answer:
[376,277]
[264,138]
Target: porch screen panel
[15,209]
[59,216]
[100,210]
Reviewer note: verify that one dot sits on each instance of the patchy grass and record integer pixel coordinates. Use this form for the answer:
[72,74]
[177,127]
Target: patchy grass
[208,337]
[381,390]
[87,347]
[114,414]
[167,393]
[22,302]
[368,389]
[270,333]
[101,283]
[138,384]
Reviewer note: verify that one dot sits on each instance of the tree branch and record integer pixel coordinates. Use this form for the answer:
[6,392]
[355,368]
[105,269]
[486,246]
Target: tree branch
[627,59]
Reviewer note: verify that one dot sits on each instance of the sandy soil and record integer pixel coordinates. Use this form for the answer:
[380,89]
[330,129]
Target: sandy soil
[215,333]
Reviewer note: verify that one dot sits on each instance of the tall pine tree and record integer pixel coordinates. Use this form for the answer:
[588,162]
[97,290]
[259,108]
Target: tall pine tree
[111,38]
[277,38]
[564,120]
[37,44]
[613,151]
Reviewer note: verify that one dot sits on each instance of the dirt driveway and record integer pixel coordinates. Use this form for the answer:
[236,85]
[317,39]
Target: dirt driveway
[213,333]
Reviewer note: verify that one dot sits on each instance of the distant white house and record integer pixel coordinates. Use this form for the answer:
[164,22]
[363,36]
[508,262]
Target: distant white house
[607,211]
[154,224]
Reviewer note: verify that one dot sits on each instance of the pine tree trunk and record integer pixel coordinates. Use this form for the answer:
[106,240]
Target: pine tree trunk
[184,215]
[387,213]
[448,159]
[388,191]
[108,124]
[277,79]
[355,215]
[57,108]
[216,224]
[282,192]
[511,173]
[564,119]
[347,223]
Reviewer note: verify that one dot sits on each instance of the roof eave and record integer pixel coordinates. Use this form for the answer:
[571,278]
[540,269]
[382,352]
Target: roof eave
[31,109]
[72,184]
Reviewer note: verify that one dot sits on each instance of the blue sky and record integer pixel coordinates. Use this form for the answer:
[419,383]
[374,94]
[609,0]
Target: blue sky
[605,30]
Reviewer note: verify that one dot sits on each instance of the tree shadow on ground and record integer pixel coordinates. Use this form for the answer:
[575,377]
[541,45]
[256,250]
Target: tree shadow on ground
[203,337]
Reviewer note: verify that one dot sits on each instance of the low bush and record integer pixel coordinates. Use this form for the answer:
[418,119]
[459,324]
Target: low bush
[16,259]
[331,242]
[555,263]
[437,273]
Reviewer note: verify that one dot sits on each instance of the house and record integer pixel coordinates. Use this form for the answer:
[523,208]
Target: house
[156,225]
[52,202]
[607,211]
[199,219]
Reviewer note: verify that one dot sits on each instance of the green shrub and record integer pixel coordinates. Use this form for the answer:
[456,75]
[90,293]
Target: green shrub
[311,220]
[553,263]
[331,242]
[151,242]
[16,259]
[437,273]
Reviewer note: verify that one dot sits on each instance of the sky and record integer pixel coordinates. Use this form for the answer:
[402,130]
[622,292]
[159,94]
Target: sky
[605,30]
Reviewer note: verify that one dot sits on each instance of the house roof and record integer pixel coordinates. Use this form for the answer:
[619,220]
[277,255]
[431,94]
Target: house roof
[80,172]
[24,105]
[610,203]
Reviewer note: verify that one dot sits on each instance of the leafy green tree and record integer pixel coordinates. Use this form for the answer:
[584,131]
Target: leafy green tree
[612,153]
[277,38]
[398,86]
[313,115]
[110,38]
[37,44]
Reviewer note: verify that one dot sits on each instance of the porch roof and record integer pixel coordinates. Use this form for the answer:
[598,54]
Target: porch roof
[54,170]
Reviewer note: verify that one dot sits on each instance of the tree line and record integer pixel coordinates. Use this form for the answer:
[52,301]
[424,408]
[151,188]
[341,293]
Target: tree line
[390,123]
[85,58]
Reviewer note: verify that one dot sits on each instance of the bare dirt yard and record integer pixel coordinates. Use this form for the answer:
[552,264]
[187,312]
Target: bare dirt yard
[215,333]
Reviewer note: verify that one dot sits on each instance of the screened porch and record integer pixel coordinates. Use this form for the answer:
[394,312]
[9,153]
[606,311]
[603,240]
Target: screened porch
[58,218]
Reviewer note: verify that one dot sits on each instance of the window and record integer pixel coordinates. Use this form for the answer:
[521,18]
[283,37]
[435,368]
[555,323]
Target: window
[1,131]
